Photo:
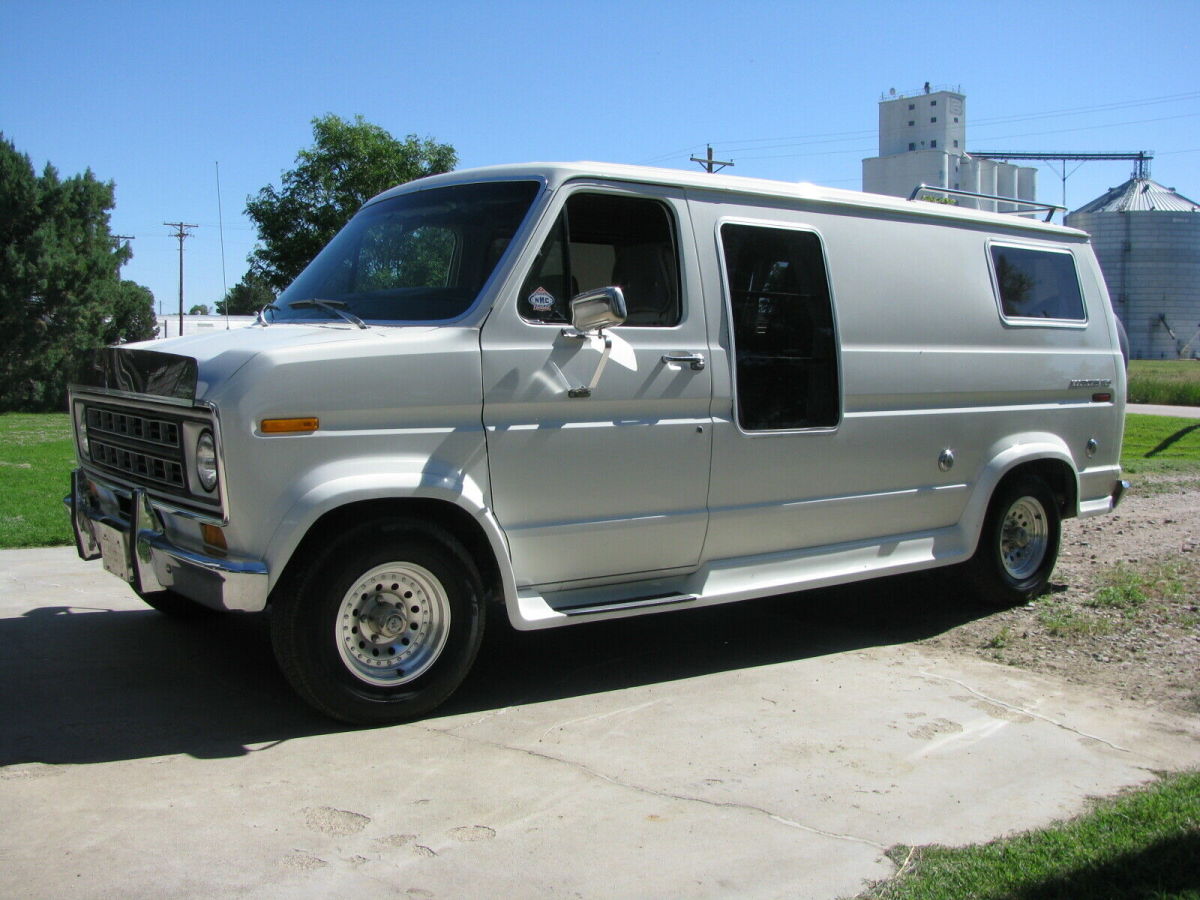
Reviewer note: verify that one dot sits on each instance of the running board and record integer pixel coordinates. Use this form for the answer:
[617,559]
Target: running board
[624,605]
[744,578]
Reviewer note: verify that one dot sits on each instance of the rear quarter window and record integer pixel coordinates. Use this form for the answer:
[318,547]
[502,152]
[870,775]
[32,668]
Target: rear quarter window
[1036,286]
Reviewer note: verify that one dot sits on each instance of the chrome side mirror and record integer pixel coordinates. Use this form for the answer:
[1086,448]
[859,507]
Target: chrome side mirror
[591,313]
[597,309]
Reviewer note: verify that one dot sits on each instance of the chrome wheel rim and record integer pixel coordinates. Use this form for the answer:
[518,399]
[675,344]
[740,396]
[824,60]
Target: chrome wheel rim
[1024,538]
[392,624]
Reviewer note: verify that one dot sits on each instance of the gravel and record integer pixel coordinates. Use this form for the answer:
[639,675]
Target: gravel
[1123,609]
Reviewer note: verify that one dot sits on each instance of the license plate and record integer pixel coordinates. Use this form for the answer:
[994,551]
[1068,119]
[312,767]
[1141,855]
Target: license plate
[113,551]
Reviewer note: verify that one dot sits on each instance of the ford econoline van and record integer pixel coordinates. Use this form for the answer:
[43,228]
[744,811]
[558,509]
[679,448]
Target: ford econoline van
[568,393]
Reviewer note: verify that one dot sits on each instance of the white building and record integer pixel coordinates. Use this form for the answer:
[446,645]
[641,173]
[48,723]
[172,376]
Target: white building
[168,326]
[923,139]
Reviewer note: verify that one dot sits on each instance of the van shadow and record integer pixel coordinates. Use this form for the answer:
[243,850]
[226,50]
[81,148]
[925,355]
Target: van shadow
[516,668]
[86,686]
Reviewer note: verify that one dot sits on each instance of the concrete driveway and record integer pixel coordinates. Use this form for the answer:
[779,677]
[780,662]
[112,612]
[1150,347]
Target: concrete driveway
[769,749]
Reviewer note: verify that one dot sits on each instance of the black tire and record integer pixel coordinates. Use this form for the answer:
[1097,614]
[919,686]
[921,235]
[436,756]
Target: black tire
[1018,546]
[384,625]
[176,605]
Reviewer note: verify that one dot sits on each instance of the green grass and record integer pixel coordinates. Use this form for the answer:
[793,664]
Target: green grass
[1160,444]
[1143,844]
[1170,382]
[1063,620]
[36,458]
[1126,588]
[1000,639]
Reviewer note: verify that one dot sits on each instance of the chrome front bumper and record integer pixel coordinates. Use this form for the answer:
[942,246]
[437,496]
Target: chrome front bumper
[138,551]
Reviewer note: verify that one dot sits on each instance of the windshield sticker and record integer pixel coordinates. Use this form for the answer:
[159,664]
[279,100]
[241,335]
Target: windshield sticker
[541,300]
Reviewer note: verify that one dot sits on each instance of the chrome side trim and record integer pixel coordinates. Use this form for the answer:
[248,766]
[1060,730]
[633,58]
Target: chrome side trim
[622,605]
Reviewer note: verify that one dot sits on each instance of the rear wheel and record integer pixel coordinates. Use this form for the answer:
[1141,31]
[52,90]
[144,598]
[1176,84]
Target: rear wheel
[384,625]
[1019,543]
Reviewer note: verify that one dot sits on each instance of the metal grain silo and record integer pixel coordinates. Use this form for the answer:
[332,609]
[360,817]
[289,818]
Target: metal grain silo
[1147,238]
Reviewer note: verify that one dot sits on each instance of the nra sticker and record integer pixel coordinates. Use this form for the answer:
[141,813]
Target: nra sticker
[541,300]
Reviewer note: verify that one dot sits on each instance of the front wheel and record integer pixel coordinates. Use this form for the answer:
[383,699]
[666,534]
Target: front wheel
[1018,546]
[383,625]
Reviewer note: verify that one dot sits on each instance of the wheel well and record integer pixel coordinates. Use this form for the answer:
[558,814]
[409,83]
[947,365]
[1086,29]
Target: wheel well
[453,519]
[1058,476]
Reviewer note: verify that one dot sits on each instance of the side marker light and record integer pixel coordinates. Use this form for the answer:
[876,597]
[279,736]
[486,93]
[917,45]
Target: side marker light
[302,425]
[213,536]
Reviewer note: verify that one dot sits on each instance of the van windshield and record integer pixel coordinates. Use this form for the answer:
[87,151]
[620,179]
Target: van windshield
[417,257]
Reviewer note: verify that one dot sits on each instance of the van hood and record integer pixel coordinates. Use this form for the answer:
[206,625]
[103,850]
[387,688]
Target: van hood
[190,368]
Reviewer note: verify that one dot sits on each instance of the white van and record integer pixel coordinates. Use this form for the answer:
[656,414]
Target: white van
[566,393]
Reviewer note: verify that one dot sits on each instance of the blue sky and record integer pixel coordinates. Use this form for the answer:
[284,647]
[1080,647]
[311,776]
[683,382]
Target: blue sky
[153,95]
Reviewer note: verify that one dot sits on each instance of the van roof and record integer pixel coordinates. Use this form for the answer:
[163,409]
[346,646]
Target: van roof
[556,174]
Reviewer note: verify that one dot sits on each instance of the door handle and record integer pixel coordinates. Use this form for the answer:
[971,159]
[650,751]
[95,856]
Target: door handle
[695,360]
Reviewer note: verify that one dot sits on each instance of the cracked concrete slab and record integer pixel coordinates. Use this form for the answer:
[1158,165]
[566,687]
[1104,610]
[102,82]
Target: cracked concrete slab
[762,750]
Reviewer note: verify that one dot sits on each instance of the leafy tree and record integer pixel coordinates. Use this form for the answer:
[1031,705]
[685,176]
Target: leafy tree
[349,163]
[200,309]
[60,290]
[246,297]
[132,316]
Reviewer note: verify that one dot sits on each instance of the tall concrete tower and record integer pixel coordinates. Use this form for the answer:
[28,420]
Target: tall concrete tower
[933,121]
[923,139]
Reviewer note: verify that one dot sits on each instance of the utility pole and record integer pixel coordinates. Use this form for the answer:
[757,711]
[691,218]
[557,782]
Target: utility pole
[708,162]
[181,233]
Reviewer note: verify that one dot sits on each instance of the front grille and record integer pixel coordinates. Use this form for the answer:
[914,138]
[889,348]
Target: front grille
[140,465]
[145,447]
[123,424]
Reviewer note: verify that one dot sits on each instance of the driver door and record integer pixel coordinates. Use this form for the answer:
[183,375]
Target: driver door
[614,483]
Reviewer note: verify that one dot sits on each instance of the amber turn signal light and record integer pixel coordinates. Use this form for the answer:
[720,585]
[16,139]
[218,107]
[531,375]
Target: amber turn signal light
[213,536]
[301,425]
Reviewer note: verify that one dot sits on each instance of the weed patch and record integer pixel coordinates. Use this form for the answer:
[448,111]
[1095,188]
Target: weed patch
[1125,587]
[1064,620]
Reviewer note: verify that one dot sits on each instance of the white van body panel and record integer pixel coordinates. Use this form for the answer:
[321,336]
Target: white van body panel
[648,493]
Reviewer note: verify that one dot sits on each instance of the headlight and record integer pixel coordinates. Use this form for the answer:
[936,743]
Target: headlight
[81,431]
[206,461]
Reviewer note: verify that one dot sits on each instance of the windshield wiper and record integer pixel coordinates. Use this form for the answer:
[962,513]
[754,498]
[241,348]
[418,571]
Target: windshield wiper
[337,307]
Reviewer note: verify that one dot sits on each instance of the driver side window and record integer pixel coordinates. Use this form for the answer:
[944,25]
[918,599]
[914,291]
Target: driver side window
[600,240]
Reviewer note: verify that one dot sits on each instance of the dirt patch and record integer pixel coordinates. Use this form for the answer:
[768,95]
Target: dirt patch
[1123,612]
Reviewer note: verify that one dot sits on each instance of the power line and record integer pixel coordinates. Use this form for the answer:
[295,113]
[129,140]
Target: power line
[1081,110]
[789,141]
[182,234]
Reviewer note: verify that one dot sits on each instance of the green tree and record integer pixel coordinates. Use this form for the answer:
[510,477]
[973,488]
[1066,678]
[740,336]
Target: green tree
[132,317]
[246,297]
[200,309]
[349,163]
[61,295]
